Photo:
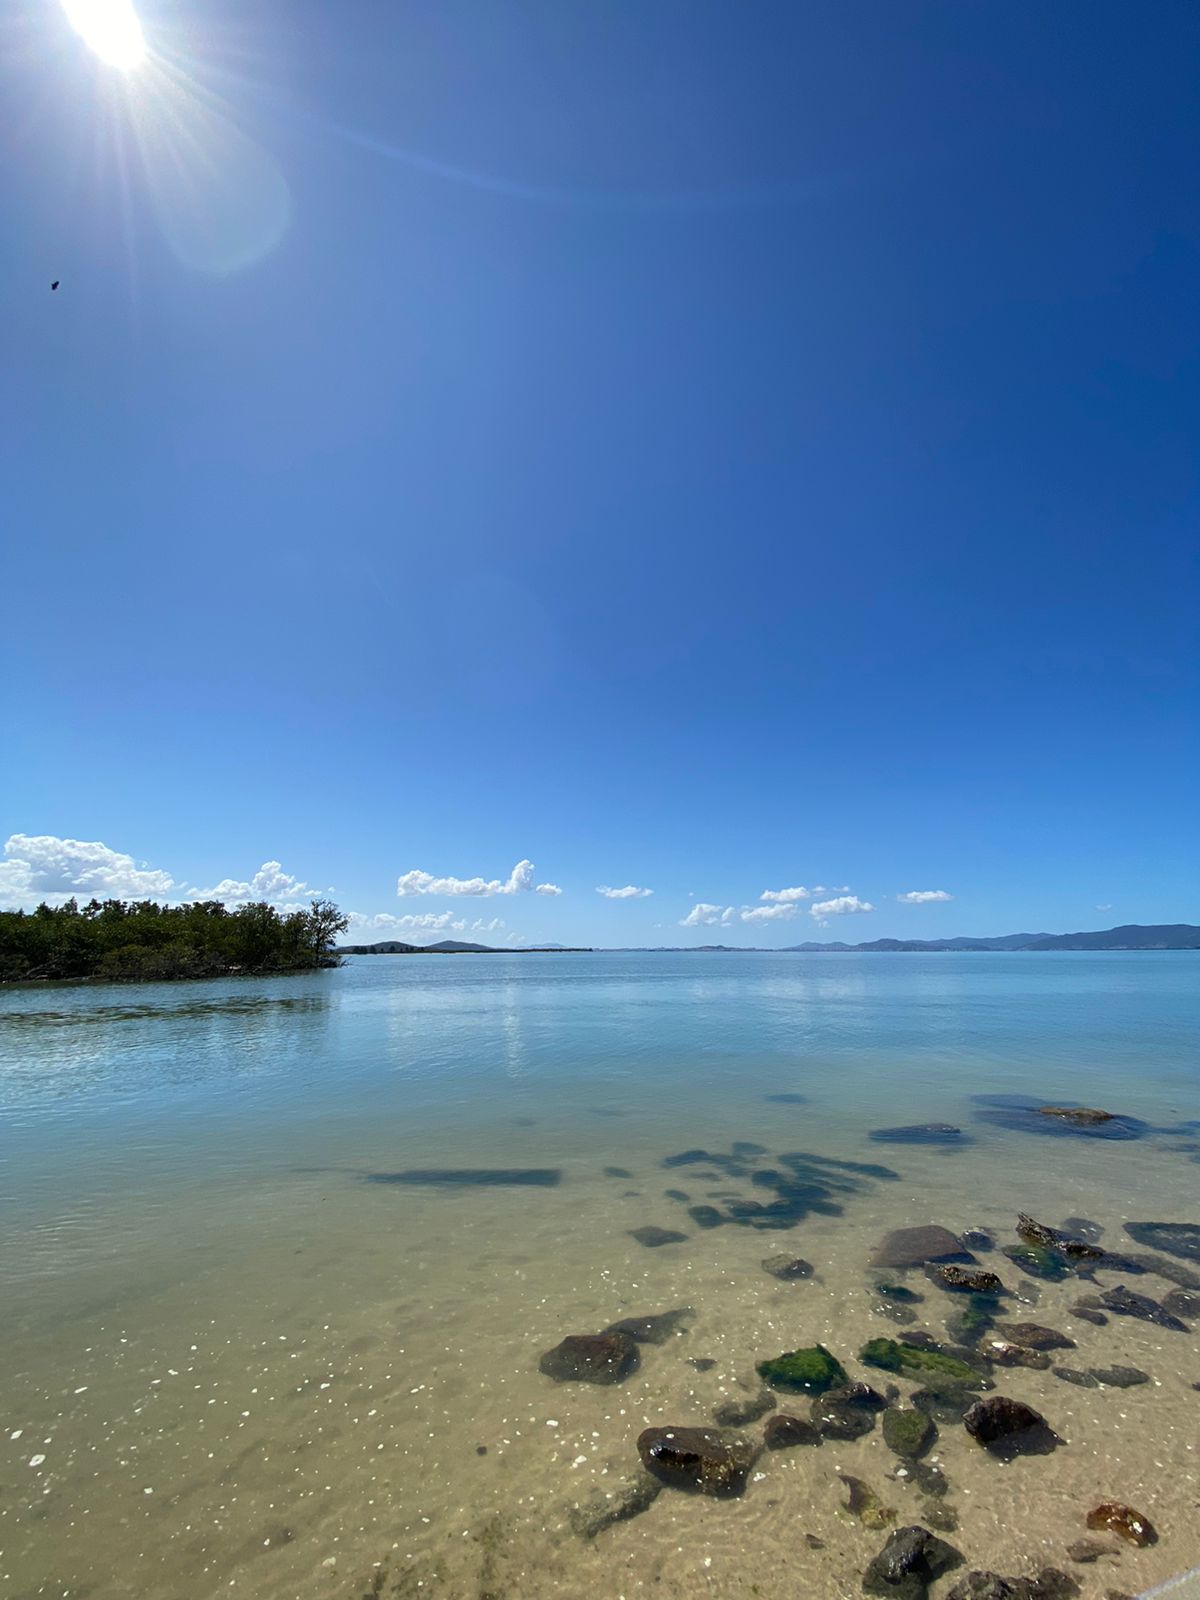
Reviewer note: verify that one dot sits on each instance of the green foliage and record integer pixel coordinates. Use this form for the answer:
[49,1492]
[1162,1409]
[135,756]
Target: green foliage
[812,1369]
[121,939]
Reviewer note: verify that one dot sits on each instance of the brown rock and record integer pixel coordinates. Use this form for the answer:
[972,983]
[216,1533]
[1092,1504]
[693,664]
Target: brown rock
[704,1460]
[913,1247]
[591,1358]
[971,1280]
[1084,1116]
[782,1432]
[1034,1337]
[1131,1525]
[1009,1427]
[1007,1354]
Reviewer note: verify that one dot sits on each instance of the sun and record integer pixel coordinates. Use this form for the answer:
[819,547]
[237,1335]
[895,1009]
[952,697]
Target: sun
[110,29]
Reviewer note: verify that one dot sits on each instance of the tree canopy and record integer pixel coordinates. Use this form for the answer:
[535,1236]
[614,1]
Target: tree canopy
[140,939]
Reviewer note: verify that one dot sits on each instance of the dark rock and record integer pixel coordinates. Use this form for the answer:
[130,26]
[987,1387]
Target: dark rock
[847,1412]
[1081,1380]
[1037,1233]
[1050,1584]
[703,1460]
[1028,1292]
[706,1216]
[971,1280]
[617,1172]
[1176,1238]
[736,1413]
[605,1507]
[909,1562]
[701,1363]
[813,1542]
[866,1505]
[886,1289]
[913,1247]
[1125,1303]
[1123,1520]
[1172,1271]
[1120,1377]
[977,1239]
[782,1432]
[1083,1228]
[1035,1337]
[920,1133]
[1007,1354]
[1039,1261]
[908,1432]
[1084,1116]
[929,1479]
[591,1358]
[677,1194]
[653,1237]
[942,1517]
[902,1316]
[812,1369]
[944,1405]
[1085,1551]
[1182,1303]
[1009,1428]
[787,1267]
[1028,1115]
[744,1147]
[975,1319]
[1089,1314]
[656,1329]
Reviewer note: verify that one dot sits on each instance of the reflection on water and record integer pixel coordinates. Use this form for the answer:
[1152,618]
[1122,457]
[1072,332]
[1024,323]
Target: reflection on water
[283,1257]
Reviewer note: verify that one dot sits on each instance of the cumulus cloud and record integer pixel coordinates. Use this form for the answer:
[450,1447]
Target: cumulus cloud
[629,892]
[519,879]
[844,905]
[788,896]
[783,911]
[421,922]
[270,882]
[703,915]
[923,897]
[1107,906]
[43,867]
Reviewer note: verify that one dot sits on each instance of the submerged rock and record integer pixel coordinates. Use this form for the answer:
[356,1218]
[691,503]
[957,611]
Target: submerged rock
[891,1356]
[701,1363]
[1085,1116]
[886,1289]
[736,1413]
[783,1432]
[1035,1337]
[706,1216]
[1182,1303]
[1128,1304]
[812,1369]
[1172,1271]
[910,1433]
[1083,1228]
[913,1247]
[677,1194]
[1176,1238]
[787,1267]
[617,1172]
[1039,1260]
[1007,1354]
[971,1280]
[703,1460]
[942,1517]
[591,1358]
[920,1133]
[847,1412]
[945,1404]
[902,1316]
[1085,1551]
[653,1237]
[1081,1380]
[1131,1525]
[1090,1314]
[655,1329]
[865,1504]
[1050,1584]
[975,1319]
[977,1239]
[928,1477]
[1038,1233]
[1120,1377]
[1008,1428]
[909,1562]
[605,1507]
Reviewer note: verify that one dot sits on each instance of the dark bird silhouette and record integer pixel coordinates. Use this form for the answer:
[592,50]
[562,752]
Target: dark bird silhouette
[56,283]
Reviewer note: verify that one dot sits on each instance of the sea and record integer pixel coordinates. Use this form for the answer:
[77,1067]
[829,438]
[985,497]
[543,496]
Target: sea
[281,1258]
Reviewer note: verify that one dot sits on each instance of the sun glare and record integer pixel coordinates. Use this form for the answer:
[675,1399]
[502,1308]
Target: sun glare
[110,29]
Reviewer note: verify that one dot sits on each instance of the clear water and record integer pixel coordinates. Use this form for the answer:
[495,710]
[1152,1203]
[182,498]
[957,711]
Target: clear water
[189,1181]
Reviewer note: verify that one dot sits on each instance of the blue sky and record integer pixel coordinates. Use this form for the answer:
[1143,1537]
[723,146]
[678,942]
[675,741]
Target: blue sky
[681,447]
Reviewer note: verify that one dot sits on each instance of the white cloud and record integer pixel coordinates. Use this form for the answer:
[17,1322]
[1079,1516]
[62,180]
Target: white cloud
[270,882]
[1107,906]
[519,879]
[788,896]
[44,867]
[629,892]
[420,922]
[844,905]
[703,915]
[923,897]
[782,912]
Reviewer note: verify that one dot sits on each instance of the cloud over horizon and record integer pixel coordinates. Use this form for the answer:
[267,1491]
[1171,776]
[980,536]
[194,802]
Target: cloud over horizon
[702,915]
[629,892]
[843,906]
[923,897]
[43,867]
[519,880]
[420,921]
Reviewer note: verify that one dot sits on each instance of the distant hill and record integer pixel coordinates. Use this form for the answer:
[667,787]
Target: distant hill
[454,947]
[1158,936]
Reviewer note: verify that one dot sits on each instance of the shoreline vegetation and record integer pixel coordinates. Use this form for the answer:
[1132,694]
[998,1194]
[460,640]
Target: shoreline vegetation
[141,941]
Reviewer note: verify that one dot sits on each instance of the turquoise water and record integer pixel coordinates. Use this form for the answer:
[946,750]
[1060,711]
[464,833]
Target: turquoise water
[217,1147]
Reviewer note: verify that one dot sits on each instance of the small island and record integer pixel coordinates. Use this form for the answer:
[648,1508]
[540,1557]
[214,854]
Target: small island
[124,940]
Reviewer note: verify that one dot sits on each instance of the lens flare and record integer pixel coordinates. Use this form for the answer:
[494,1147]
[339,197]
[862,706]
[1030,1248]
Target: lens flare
[110,29]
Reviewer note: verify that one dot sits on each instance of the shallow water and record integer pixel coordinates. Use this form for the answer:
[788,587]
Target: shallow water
[281,1255]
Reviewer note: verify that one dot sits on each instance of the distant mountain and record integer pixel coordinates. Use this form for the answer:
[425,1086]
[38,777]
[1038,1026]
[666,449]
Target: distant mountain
[1169,936]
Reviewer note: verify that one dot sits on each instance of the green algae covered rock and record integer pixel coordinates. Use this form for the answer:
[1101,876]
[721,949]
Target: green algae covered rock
[928,1365]
[908,1432]
[813,1370]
